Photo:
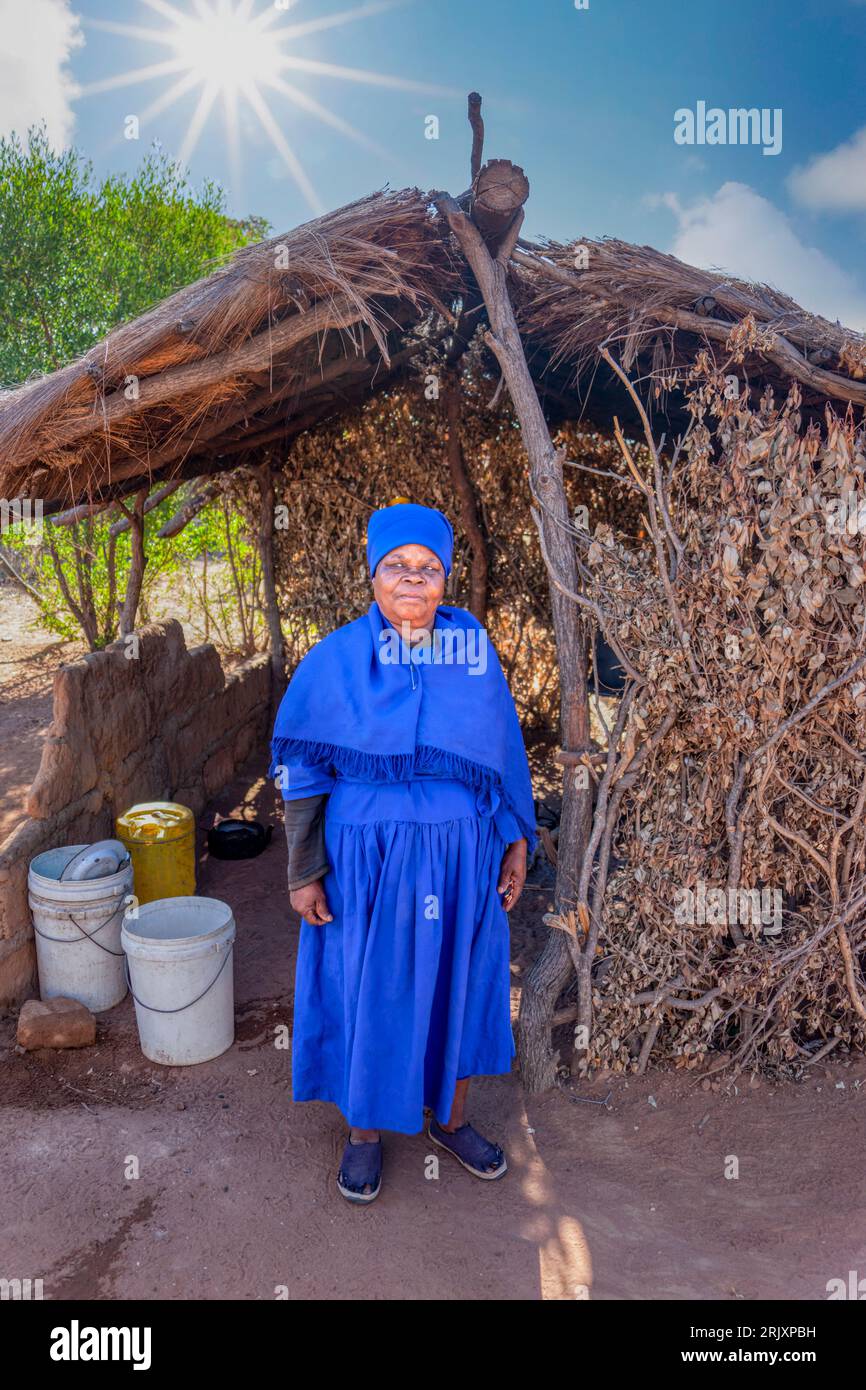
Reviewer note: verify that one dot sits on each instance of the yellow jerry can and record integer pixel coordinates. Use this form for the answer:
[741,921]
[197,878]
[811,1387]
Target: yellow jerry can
[160,837]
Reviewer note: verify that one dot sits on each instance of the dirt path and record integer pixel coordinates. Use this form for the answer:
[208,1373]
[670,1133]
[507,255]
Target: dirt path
[28,659]
[236,1194]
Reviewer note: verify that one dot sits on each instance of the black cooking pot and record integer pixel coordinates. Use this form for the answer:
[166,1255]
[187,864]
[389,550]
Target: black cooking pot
[238,839]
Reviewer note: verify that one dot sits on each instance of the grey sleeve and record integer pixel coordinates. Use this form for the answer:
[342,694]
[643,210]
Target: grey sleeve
[305,836]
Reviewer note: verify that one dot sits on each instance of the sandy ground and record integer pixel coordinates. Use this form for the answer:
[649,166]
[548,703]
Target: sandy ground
[236,1195]
[236,1198]
[29,656]
[28,660]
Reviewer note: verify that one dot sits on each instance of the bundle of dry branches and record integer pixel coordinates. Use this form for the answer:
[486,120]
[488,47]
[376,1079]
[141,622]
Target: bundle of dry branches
[397,445]
[658,310]
[723,900]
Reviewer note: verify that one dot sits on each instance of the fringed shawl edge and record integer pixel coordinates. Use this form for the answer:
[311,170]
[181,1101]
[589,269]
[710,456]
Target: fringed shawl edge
[399,767]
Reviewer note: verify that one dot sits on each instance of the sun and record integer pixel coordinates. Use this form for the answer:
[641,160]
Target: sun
[226,50]
[237,55]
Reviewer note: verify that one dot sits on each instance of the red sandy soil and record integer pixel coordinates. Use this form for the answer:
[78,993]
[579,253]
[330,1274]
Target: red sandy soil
[29,656]
[236,1195]
[28,659]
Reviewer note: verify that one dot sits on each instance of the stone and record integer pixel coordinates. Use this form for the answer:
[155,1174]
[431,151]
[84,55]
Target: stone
[56,1022]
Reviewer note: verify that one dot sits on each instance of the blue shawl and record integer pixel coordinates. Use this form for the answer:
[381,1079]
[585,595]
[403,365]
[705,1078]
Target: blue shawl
[373,708]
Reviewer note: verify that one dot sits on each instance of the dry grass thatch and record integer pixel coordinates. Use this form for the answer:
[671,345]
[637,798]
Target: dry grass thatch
[656,312]
[292,330]
[253,342]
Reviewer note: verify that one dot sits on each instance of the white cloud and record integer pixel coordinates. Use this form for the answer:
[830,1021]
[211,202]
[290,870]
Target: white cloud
[738,231]
[836,180]
[36,40]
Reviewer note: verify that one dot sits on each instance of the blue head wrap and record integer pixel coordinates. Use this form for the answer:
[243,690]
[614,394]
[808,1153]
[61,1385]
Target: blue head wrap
[407,523]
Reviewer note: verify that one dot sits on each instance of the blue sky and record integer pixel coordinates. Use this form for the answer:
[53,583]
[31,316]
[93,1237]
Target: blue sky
[585,100]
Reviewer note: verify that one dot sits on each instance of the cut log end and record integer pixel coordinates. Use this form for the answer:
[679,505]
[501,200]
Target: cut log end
[498,194]
[500,188]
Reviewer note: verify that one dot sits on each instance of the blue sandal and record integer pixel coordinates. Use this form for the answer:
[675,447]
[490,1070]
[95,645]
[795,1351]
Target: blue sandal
[478,1156]
[361,1168]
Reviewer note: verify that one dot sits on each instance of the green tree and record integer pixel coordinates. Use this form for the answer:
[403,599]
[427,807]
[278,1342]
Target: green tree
[79,256]
[209,575]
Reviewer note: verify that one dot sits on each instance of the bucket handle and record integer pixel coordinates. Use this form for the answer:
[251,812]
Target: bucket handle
[87,935]
[153,1010]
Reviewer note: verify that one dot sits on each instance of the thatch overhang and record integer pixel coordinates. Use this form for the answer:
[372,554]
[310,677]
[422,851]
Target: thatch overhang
[656,313]
[305,326]
[287,331]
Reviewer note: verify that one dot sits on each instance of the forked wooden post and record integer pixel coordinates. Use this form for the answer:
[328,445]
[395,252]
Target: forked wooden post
[554,966]
[276,644]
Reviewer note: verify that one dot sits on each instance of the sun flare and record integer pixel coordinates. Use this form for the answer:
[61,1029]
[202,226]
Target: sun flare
[226,51]
[235,55]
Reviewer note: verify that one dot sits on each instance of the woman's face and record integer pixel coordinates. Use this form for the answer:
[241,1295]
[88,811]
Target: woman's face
[408,586]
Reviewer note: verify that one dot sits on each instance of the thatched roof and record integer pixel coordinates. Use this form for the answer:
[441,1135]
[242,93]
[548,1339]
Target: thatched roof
[655,313]
[300,327]
[285,329]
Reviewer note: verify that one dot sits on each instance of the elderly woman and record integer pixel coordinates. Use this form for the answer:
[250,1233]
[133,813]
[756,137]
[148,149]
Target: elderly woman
[408,815]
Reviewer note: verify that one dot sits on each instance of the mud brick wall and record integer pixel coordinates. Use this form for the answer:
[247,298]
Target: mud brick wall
[162,724]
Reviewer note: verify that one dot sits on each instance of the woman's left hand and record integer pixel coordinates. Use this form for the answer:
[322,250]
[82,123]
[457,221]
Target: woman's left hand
[512,874]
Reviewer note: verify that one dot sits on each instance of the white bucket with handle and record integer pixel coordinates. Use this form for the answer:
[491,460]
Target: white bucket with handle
[180,953]
[77,926]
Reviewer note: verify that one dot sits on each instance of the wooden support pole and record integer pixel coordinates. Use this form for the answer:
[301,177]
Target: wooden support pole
[80,513]
[498,194]
[276,643]
[191,507]
[135,579]
[153,501]
[477,124]
[554,967]
[479,567]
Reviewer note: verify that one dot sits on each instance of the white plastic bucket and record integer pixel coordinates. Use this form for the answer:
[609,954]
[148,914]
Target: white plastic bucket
[182,979]
[77,928]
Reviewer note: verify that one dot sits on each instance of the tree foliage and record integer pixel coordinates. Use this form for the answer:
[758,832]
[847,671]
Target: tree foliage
[79,255]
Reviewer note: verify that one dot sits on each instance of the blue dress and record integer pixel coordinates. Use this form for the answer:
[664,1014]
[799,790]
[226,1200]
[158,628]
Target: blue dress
[407,990]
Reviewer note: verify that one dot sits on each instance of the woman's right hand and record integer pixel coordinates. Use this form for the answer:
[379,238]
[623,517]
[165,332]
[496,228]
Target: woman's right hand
[310,903]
